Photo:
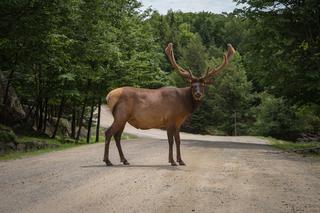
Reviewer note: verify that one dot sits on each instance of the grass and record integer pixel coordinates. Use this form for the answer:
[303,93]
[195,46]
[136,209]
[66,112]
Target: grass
[62,145]
[292,146]
[20,154]
[124,136]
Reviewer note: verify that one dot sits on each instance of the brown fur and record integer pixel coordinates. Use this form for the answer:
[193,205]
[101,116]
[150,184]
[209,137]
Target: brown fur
[151,108]
[166,107]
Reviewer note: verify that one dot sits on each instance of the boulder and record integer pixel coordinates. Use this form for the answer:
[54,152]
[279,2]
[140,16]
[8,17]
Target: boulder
[7,135]
[12,112]
[21,147]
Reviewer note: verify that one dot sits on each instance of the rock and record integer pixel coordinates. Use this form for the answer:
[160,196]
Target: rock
[12,111]
[2,148]
[7,135]
[29,146]
[68,140]
[309,137]
[53,145]
[11,146]
[36,145]
[21,147]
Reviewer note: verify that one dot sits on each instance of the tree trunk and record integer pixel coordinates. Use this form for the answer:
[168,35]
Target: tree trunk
[73,123]
[90,124]
[40,121]
[6,94]
[45,115]
[35,116]
[81,118]
[98,121]
[29,113]
[58,119]
[83,111]
[51,113]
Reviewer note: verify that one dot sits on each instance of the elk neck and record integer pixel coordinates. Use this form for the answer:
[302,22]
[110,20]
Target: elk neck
[194,104]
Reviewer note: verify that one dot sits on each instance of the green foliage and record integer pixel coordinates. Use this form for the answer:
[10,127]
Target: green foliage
[308,118]
[232,98]
[282,49]
[274,117]
[296,146]
[7,135]
[69,54]
[194,56]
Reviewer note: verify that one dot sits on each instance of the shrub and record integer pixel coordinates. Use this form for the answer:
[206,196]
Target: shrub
[7,135]
[274,117]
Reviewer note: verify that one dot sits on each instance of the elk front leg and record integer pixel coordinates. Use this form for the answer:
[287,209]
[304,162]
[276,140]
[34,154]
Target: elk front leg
[170,140]
[177,140]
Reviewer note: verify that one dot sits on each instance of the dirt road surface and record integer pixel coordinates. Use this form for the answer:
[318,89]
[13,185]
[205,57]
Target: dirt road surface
[223,174]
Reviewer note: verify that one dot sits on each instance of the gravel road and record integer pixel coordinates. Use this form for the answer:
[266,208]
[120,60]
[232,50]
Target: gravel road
[223,174]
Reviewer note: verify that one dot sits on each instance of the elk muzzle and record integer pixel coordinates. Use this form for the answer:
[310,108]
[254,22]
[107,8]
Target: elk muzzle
[198,90]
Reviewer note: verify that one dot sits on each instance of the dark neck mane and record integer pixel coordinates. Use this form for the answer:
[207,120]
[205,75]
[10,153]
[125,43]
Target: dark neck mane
[194,103]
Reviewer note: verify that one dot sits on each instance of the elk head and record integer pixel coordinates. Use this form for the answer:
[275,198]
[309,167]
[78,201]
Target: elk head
[198,84]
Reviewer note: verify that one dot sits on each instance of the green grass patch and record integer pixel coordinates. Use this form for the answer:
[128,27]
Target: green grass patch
[19,155]
[64,143]
[24,139]
[124,136]
[293,146]
[127,136]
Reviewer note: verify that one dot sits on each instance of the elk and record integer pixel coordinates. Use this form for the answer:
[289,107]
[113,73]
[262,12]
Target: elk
[166,107]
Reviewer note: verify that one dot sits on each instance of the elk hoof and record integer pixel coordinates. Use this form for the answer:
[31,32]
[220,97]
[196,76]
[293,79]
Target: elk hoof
[173,163]
[125,162]
[181,163]
[108,163]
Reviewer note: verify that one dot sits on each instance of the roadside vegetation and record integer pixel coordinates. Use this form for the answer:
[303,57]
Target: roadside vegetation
[59,59]
[304,148]
[15,147]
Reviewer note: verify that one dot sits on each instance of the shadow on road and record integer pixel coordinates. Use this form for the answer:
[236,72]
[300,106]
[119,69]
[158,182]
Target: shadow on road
[168,167]
[226,145]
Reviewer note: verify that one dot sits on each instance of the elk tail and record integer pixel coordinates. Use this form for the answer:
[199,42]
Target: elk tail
[112,98]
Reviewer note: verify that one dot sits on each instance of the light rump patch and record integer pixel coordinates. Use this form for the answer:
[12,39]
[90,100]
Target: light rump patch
[113,97]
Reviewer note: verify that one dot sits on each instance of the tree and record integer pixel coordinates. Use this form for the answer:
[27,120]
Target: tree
[283,48]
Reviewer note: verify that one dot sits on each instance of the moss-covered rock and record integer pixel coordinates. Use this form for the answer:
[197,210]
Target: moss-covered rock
[7,135]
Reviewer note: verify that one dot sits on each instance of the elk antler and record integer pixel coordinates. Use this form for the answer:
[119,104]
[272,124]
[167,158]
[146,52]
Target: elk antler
[226,58]
[182,72]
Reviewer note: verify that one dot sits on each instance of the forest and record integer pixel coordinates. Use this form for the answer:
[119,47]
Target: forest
[59,59]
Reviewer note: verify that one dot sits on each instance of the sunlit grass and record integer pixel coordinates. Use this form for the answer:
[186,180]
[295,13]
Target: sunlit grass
[293,146]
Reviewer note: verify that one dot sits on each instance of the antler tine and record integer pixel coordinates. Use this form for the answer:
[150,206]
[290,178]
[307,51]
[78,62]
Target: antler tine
[226,59]
[190,72]
[181,71]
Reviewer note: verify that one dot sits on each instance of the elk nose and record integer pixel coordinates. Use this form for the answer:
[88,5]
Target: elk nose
[197,95]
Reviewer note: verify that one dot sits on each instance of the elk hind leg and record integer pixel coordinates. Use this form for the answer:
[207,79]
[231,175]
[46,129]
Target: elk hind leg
[108,135]
[170,141]
[117,138]
[111,131]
